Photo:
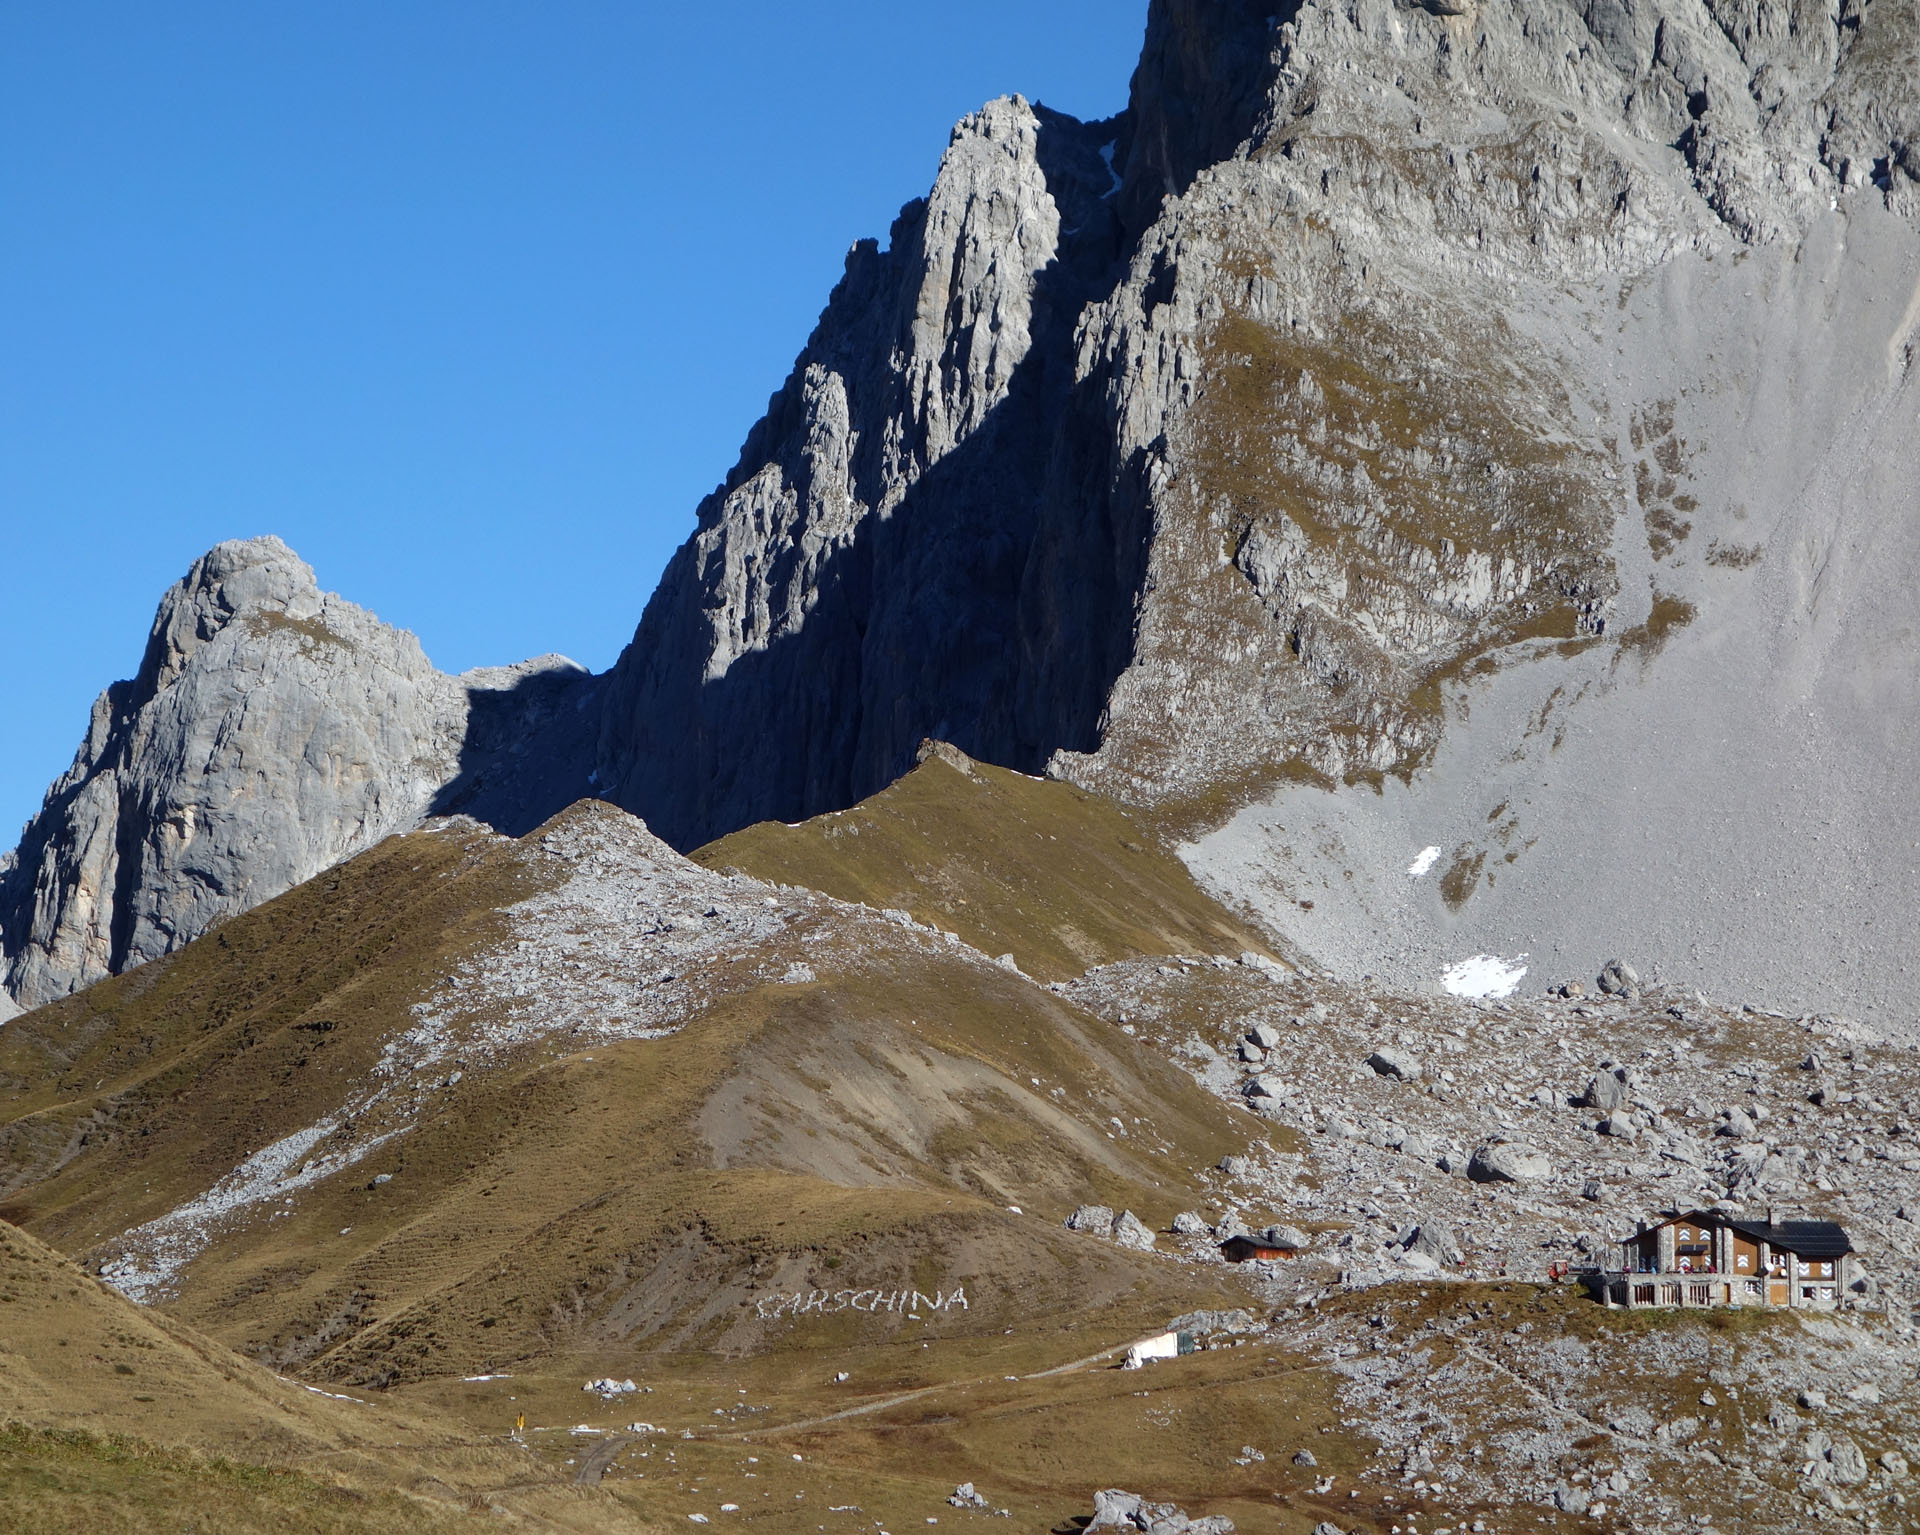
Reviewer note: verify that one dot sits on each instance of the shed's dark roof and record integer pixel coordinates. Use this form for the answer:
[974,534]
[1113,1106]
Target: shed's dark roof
[1255,1244]
[1810,1239]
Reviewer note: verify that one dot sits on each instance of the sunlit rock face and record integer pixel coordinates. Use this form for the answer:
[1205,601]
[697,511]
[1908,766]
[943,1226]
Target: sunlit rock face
[272,730]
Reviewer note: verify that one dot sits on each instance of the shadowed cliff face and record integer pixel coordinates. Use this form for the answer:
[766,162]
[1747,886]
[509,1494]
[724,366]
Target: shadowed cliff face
[941,526]
[931,507]
[1199,93]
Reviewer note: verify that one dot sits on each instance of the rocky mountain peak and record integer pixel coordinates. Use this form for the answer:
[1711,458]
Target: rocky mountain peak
[271,730]
[261,575]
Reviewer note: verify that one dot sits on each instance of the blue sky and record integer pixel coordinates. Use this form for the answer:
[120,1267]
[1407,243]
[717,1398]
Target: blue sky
[469,301]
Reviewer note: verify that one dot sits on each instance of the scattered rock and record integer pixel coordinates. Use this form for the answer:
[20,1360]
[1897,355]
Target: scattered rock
[1894,1464]
[1422,1148]
[1265,1035]
[1189,1224]
[1619,980]
[1849,1462]
[1205,1322]
[1571,1500]
[1250,1052]
[1126,1228]
[1390,1061]
[1508,1162]
[1813,1401]
[1738,1124]
[1606,1091]
[1619,1123]
[1436,1240]
[1097,1220]
[965,1497]
[1117,1510]
[1304,1458]
[1236,1167]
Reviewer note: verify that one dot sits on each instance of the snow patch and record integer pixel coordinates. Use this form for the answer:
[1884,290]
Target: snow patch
[1485,976]
[1106,156]
[1429,856]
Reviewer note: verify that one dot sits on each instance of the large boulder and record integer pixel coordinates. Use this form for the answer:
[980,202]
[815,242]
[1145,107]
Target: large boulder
[1095,1220]
[1509,1162]
[1606,1090]
[1436,1240]
[1617,979]
[1391,1061]
[1124,1228]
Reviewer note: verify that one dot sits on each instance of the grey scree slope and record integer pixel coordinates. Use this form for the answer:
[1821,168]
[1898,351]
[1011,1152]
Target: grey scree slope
[1331,416]
[272,730]
[1731,806]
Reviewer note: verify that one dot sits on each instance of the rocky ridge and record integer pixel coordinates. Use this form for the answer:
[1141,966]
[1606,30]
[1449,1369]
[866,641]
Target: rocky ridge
[1426,389]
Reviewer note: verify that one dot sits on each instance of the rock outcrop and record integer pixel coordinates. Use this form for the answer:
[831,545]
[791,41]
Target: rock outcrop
[872,572]
[272,730]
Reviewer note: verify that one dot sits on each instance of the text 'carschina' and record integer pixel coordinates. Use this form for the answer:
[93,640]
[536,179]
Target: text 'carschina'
[908,1302]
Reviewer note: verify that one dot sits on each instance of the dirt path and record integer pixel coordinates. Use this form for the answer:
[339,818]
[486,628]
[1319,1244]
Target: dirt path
[883,1403]
[597,1461]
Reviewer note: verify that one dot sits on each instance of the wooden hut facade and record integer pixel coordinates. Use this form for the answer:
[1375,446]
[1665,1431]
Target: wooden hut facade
[1715,1258]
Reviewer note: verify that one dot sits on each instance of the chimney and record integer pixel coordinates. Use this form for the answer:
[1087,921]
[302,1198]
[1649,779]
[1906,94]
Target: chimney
[1770,1219]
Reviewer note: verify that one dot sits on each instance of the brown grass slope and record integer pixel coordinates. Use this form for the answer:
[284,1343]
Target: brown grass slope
[593,1205]
[1060,878]
[117,1417]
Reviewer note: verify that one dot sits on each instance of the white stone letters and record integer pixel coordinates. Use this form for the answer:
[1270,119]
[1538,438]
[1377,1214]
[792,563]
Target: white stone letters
[900,1302]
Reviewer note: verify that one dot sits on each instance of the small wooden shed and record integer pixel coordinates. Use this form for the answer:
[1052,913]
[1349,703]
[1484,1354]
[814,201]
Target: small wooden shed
[1245,1249]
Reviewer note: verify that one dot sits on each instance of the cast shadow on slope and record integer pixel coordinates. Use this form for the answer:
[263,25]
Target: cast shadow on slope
[528,749]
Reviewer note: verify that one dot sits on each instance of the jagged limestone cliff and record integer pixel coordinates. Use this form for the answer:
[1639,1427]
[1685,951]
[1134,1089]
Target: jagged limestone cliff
[1418,369]
[271,731]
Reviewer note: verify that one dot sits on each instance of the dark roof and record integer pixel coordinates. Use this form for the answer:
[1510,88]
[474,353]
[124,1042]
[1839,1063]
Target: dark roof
[1692,1217]
[1253,1244]
[1810,1239]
